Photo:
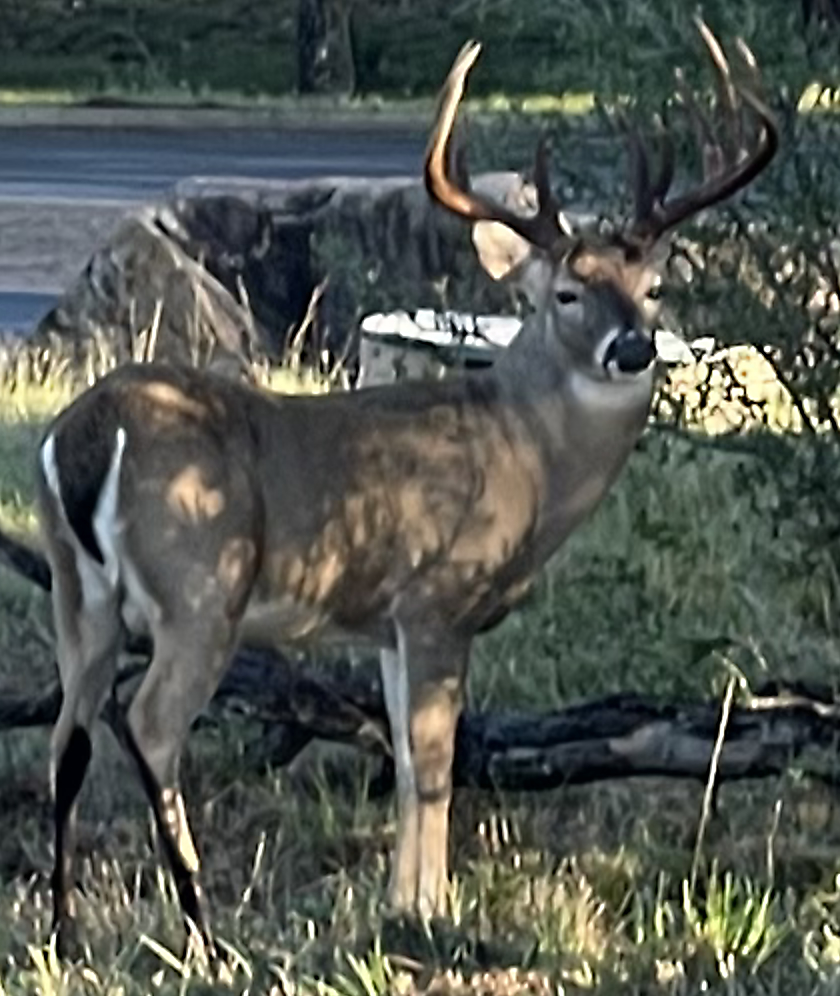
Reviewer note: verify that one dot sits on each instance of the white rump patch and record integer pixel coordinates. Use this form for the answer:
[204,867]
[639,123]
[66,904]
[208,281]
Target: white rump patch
[50,467]
[93,578]
[106,524]
[100,582]
[139,610]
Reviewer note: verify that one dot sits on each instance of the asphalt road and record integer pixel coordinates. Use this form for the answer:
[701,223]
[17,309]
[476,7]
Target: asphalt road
[19,310]
[79,173]
[137,165]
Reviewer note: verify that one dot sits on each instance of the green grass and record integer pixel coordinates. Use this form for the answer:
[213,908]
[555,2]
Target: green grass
[679,578]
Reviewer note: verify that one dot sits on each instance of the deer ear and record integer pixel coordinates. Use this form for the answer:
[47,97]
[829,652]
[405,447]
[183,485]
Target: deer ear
[501,251]
[507,256]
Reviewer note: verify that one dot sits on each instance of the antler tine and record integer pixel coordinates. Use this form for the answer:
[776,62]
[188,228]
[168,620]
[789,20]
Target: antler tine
[542,229]
[649,193]
[727,94]
[750,64]
[731,165]
[640,172]
[665,175]
[436,166]
[713,156]
[548,203]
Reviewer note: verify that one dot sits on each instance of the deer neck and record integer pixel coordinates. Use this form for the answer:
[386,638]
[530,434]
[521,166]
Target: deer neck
[550,381]
[583,429]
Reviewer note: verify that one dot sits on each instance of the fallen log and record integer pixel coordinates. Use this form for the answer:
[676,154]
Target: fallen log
[25,560]
[619,736]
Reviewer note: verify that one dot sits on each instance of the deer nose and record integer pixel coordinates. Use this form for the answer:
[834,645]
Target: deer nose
[632,350]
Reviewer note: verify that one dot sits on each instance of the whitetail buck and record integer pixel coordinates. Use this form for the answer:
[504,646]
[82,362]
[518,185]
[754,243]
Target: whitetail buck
[408,517]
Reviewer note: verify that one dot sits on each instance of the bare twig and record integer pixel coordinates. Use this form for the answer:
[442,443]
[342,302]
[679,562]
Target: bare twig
[709,793]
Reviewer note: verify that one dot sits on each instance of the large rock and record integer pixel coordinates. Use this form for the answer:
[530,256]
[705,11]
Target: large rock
[224,270]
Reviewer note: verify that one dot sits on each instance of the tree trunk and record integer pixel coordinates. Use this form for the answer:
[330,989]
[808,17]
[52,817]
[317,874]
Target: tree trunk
[325,49]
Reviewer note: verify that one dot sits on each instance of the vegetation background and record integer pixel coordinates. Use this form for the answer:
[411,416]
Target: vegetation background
[715,556]
[390,48]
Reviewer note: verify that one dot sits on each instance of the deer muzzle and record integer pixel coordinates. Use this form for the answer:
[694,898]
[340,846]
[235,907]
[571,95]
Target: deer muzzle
[630,352]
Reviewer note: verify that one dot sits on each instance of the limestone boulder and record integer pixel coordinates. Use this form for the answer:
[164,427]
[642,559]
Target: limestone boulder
[223,270]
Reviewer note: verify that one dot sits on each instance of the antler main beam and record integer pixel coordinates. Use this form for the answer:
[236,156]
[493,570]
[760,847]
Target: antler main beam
[736,161]
[543,229]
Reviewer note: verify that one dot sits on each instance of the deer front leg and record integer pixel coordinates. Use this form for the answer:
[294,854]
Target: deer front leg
[403,885]
[423,684]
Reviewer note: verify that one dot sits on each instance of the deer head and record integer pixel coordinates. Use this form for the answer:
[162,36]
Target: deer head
[591,291]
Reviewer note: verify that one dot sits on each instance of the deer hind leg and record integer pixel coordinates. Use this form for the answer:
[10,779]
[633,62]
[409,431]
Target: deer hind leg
[189,661]
[424,696]
[87,623]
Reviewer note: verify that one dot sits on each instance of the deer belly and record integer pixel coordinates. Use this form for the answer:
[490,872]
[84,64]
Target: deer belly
[285,620]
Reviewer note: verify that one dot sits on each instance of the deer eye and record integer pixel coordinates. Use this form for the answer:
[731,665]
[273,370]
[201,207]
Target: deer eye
[566,297]
[654,293]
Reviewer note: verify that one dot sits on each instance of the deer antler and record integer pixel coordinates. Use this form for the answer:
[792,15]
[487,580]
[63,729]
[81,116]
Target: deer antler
[544,229]
[729,164]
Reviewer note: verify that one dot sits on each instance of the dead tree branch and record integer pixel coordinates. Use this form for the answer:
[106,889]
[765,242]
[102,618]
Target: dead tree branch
[620,736]
[25,560]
